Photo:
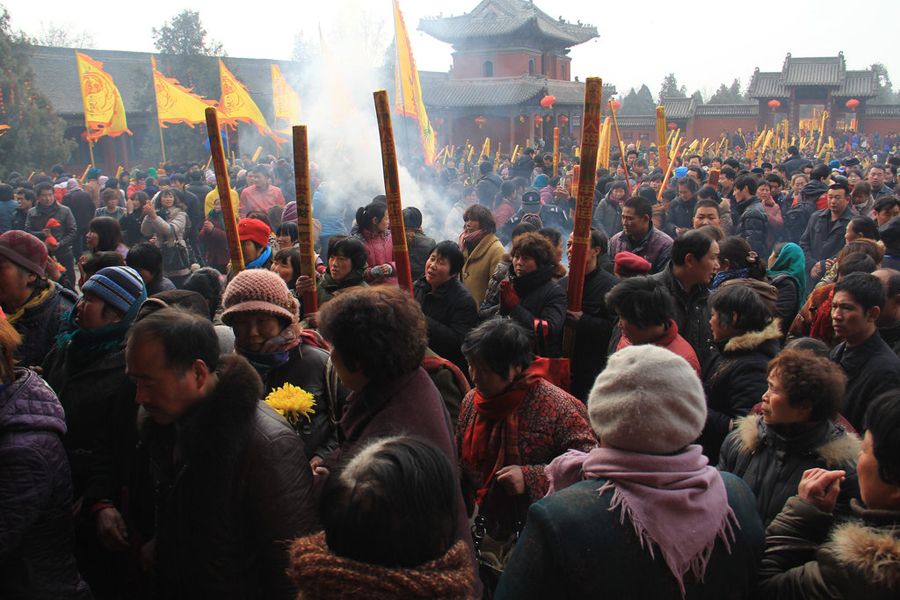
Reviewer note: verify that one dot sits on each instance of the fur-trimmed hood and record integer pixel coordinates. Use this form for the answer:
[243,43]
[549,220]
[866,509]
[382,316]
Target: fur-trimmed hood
[754,339]
[872,552]
[835,446]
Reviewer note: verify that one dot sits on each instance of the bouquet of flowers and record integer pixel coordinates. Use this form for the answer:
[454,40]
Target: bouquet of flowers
[292,403]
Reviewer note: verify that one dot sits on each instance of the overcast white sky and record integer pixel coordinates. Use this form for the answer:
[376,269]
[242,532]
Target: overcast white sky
[704,43]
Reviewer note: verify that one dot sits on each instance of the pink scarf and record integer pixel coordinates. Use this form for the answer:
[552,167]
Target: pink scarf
[675,502]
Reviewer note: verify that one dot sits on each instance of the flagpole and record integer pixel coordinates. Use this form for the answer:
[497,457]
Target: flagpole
[162,143]
[91,150]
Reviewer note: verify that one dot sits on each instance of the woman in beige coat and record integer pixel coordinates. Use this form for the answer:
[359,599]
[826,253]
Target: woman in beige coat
[481,249]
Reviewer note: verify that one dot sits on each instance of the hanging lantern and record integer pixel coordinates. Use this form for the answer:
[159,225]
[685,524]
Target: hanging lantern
[522,118]
[538,120]
[480,121]
[563,120]
[548,101]
[673,126]
[439,121]
[773,104]
[616,104]
[852,103]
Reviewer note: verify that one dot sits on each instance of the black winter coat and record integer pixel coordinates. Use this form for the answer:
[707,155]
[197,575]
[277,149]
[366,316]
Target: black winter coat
[308,369]
[772,460]
[540,298]
[752,224]
[236,495]
[487,188]
[419,246]
[40,323]
[36,532]
[691,315]
[872,368]
[451,314]
[593,331]
[680,214]
[92,395]
[734,381]
[788,303]
[823,237]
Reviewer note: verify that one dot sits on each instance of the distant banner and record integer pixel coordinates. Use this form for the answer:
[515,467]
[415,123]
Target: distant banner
[408,95]
[237,105]
[286,100]
[104,111]
[176,103]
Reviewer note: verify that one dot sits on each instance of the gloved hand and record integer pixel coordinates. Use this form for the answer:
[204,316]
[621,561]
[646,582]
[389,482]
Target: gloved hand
[380,272]
[509,299]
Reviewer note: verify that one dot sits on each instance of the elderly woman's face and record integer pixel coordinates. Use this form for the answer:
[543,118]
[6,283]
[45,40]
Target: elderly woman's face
[490,383]
[775,405]
[253,329]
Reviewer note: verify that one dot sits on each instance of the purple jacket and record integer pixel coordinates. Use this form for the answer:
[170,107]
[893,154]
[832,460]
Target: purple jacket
[36,530]
[655,248]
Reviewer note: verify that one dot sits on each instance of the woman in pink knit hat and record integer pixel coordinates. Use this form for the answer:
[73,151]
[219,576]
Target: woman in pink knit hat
[264,316]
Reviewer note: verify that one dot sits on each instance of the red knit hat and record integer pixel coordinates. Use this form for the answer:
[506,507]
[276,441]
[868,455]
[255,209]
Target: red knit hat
[632,262]
[25,250]
[259,290]
[254,230]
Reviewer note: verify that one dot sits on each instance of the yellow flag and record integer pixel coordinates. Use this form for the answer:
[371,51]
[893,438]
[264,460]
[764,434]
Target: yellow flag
[104,111]
[287,101]
[236,103]
[408,97]
[3,128]
[176,103]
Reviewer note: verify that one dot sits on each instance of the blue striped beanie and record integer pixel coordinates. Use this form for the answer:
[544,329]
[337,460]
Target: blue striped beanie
[120,287]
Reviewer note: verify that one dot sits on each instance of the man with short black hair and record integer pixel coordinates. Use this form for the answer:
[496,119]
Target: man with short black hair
[870,364]
[889,320]
[875,177]
[706,212]
[824,235]
[49,221]
[231,480]
[727,176]
[695,260]
[750,219]
[639,236]
[593,323]
[794,163]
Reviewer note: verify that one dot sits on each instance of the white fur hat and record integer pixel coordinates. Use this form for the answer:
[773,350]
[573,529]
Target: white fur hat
[648,400]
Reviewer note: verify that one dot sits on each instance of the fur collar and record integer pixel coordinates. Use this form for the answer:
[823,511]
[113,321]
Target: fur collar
[754,339]
[872,552]
[213,434]
[841,447]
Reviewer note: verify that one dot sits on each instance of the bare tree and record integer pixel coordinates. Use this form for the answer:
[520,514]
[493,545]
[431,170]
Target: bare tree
[53,34]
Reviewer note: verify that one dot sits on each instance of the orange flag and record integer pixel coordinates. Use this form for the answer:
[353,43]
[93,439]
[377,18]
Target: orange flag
[104,111]
[236,103]
[408,95]
[287,101]
[176,103]
[3,128]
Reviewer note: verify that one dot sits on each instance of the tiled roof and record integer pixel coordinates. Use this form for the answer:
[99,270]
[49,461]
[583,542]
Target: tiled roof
[679,108]
[443,92]
[819,70]
[883,111]
[728,110]
[506,17]
[767,85]
[636,120]
[858,83]
[56,76]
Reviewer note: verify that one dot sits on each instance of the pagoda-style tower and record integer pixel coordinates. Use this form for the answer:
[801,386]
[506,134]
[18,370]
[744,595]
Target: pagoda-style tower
[507,55]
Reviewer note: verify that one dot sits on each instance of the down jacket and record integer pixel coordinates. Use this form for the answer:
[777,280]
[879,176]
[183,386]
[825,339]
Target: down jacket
[752,224]
[772,461]
[808,558]
[36,531]
[734,381]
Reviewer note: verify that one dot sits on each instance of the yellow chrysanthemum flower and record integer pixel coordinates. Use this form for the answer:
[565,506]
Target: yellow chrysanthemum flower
[292,402]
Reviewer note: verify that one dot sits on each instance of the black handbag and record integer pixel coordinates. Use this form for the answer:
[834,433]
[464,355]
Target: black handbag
[495,533]
[175,257]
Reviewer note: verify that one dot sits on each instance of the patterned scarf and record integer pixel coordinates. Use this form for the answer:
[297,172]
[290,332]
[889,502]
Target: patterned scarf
[470,240]
[275,351]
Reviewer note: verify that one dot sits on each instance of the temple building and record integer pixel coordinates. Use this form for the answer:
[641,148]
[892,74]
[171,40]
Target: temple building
[508,55]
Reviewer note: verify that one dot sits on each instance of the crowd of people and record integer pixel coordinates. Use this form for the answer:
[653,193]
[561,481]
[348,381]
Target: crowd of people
[721,418]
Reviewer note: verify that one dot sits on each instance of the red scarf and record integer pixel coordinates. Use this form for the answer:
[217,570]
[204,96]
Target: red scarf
[821,327]
[491,441]
[470,240]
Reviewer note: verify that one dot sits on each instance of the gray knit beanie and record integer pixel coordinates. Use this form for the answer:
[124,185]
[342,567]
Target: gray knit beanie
[647,400]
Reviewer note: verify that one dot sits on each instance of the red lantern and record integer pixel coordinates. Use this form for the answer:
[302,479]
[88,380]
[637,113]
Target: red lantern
[563,120]
[439,121]
[480,121]
[538,120]
[673,126]
[852,103]
[616,104]
[773,104]
[548,101]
